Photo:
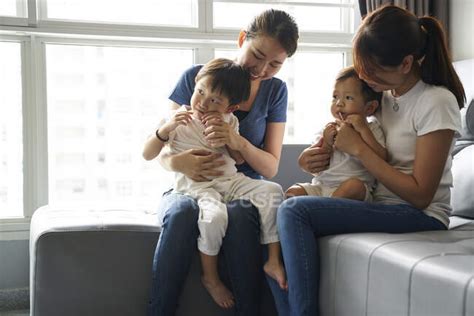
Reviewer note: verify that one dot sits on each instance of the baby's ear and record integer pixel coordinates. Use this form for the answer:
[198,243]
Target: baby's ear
[232,108]
[371,107]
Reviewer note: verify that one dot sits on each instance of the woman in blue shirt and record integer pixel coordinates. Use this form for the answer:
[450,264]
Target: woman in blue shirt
[269,39]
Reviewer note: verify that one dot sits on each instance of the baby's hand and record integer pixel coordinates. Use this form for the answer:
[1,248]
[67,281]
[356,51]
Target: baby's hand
[329,133]
[179,118]
[359,122]
[212,118]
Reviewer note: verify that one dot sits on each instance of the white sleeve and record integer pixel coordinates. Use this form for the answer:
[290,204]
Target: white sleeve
[437,110]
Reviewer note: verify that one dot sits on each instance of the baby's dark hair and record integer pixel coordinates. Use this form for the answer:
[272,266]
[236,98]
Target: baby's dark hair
[228,78]
[367,92]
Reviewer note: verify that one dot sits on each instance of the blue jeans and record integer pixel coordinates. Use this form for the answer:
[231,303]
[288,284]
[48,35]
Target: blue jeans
[240,252]
[301,220]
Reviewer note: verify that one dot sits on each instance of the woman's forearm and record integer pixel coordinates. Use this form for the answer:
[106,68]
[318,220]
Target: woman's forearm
[260,160]
[403,185]
[418,187]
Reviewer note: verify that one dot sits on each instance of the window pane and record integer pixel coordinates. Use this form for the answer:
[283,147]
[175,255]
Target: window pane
[309,78]
[15,8]
[173,13]
[11,136]
[309,18]
[103,102]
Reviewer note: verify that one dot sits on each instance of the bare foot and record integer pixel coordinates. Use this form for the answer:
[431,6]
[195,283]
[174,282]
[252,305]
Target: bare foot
[277,272]
[219,293]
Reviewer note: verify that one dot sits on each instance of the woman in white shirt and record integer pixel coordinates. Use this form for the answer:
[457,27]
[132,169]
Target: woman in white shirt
[407,58]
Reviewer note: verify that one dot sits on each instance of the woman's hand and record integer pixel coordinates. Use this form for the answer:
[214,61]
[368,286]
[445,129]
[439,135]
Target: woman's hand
[348,140]
[219,133]
[198,164]
[358,122]
[315,158]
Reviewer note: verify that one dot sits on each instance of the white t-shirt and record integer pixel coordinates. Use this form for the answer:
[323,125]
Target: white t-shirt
[423,109]
[343,166]
[191,136]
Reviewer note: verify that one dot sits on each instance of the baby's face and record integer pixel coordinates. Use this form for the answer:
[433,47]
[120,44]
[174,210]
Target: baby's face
[204,100]
[347,98]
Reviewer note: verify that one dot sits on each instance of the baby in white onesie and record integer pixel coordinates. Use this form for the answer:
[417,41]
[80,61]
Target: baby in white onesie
[221,84]
[354,103]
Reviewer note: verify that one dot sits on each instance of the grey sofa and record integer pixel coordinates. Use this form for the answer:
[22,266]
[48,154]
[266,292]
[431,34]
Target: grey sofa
[98,262]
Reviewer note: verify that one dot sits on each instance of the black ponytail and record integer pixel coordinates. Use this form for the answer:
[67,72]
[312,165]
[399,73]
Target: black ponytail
[436,66]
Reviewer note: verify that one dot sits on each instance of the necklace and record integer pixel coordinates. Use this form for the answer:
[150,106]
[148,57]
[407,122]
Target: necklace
[395,106]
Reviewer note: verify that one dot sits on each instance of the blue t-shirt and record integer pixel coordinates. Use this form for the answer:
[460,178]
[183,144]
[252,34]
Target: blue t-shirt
[269,106]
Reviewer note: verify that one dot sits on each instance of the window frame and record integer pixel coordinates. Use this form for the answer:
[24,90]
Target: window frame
[34,33]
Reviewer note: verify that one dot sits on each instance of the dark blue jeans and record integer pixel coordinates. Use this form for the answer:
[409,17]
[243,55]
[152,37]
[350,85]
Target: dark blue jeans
[240,252]
[301,220]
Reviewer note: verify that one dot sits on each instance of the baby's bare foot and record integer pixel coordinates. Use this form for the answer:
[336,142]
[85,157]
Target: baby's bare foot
[219,293]
[277,272]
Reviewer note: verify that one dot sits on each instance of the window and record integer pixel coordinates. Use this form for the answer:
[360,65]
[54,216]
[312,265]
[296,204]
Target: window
[13,8]
[311,16]
[102,103]
[11,134]
[84,82]
[309,91]
[152,12]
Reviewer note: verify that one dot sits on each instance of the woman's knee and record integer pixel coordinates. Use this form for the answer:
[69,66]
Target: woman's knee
[183,210]
[241,212]
[290,210]
[286,209]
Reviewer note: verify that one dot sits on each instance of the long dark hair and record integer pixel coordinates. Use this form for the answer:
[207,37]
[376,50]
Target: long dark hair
[391,33]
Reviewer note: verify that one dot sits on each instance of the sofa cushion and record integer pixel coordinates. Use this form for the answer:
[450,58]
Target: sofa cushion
[91,261]
[425,273]
[96,262]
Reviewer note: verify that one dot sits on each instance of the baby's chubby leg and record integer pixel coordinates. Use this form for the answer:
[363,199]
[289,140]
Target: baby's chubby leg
[295,190]
[212,225]
[266,196]
[212,282]
[352,188]
[274,266]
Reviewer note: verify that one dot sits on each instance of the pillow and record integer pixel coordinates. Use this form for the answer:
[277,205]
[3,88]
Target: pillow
[462,197]
[465,71]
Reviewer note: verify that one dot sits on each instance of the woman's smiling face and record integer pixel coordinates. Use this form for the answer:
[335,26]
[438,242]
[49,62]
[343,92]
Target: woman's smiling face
[262,56]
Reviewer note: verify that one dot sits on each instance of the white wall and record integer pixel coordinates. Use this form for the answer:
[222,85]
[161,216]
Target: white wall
[461,29]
